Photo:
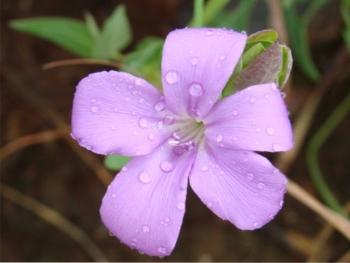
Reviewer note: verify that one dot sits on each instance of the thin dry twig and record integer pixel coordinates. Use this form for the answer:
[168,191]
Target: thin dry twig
[276,18]
[80,61]
[320,250]
[337,221]
[54,218]
[48,112]
[31,139]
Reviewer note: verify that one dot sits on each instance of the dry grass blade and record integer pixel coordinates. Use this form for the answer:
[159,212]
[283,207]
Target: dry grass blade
[80,61]
[337,221]
[54,218]
[27,140]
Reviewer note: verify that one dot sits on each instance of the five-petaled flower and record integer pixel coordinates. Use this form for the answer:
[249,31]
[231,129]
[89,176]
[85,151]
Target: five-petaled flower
[186,136]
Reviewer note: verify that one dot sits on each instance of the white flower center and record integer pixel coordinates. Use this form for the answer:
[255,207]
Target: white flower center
[187,136]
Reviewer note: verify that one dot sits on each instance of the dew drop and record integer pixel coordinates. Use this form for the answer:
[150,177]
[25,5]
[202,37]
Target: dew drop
[252,100]
[196,90]
[124,169]
[143,123]
[209,33]
[194,61]
[270,131]
[276,147]
[151,136]
[94,109]
[168,119]
[145,178]
[258,130]
[160,125]
[159,106]
[250,176]
[256,225]
[222,57]
[181,206]
[261,185]
[145,229]
[166,166]
[162,250]
[219,138]
[281,203]
[114,195]
[138,82]
[204,168]
[171,77]
[141,100]
[235,112]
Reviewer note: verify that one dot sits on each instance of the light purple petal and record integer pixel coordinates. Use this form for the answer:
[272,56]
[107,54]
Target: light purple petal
[254,119]
[239,186]
[115,112]
[196,65]
[145,204]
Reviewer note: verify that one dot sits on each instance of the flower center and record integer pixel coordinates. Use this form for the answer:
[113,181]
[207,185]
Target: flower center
[186,136]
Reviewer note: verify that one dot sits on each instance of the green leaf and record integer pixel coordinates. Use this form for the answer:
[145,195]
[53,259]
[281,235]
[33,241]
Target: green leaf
[264,37]
[263,69]
[91,25]
[115,36]
[212,9]
[145,59]
[297,31]
[68,33]
[286,66]
[198,13]
[252,53]
[238,18]
[115,162]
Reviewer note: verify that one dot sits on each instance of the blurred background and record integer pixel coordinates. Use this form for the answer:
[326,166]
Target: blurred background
[51,188]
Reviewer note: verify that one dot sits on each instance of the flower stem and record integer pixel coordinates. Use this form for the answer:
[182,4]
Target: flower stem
[313,148]
[198,13]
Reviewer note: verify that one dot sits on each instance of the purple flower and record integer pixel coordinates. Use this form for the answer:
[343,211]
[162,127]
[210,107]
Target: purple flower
[186,136]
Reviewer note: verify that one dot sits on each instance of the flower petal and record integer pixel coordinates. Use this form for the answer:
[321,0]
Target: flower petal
[197,63]
[115,112]
[239,186]
[254,119]
[145,204]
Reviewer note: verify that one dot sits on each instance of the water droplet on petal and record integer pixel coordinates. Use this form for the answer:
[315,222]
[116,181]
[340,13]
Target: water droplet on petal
[171,77]
[276,147]
[219,138]
[145,178]
[143,123]
[270,131]
[114,195]
[181,206]
[124,169]
[166,166]
[256,225]
[258,130]
[261,185]
[235,112]
[138,82]
[281,203]
[162,250]
[160,125]
[159,106]
[145,229]
[250,176]
[252,100]
[151,136]
[222,57]
[209,33]
[194,61]
[94,109]
[204,168]
[168,119]
[196,90]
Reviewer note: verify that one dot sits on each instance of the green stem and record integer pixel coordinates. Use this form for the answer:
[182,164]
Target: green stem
[212,9]
[313,148]
[198,13]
